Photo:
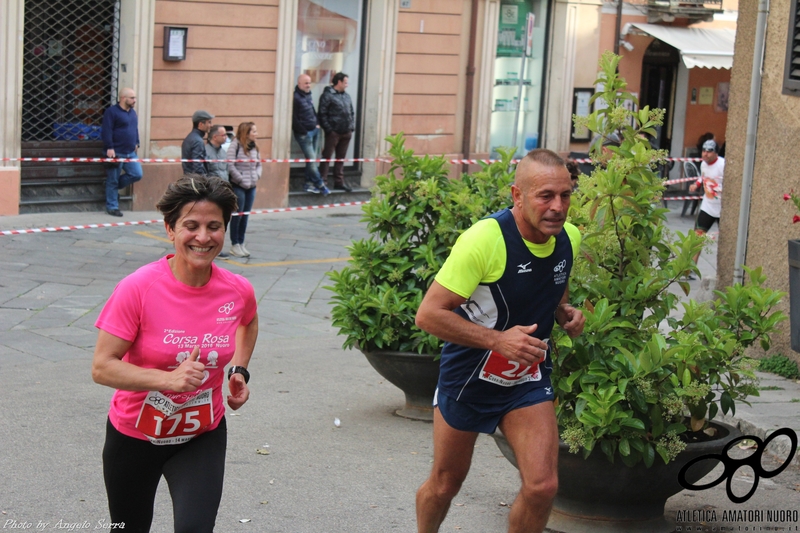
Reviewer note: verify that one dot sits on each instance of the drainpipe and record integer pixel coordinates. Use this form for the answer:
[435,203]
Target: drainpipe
[469,93]
[750,146]
[617,31]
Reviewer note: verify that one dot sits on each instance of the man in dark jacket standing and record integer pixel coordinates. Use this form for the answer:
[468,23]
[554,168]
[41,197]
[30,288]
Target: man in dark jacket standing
[193,146]
[306,133]
[120,134]
[338,120]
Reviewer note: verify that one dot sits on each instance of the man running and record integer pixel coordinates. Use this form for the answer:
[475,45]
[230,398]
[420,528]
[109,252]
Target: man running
[511,270]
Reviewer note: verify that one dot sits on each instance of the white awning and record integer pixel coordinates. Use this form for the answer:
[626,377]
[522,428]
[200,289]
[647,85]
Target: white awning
[699,47]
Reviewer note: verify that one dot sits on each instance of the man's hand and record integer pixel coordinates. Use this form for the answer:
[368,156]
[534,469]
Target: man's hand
[189,375]
[518,344]
[239,391]
[111,153]
[570,319]
[693,187]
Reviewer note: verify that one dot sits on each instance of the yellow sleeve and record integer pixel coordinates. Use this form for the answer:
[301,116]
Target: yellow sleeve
[574,238]
[479,256]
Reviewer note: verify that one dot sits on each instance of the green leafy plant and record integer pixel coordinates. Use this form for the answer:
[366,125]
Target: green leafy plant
[414,217]
[780,365]
[647,368]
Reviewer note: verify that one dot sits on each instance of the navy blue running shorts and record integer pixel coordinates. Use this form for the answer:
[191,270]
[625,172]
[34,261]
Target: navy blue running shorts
[485,417]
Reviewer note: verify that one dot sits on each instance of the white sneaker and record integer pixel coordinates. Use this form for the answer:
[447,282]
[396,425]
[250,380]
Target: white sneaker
[244,250]
[236,251]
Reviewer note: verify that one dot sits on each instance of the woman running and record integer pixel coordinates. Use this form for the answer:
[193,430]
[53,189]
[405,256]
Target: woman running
[166,335]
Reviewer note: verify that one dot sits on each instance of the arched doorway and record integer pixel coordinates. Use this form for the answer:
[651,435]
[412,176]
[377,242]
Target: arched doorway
[659,76]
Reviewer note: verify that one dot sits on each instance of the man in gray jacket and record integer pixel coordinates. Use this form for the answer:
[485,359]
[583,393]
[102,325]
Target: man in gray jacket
[193,146]
[338,120]
[214,150]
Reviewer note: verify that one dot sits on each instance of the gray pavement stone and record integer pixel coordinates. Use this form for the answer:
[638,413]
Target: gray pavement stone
[40,347]
[10,317]
[73,335]
[51,317]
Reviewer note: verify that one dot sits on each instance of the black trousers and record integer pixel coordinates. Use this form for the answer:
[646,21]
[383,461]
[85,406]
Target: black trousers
[194,470]
[334,142]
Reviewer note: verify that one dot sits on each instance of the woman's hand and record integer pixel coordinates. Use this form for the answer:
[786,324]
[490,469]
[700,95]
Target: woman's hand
[189,375]
[239,391]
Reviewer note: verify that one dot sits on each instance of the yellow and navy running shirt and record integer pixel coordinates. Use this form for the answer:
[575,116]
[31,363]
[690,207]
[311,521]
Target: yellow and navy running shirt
[507,282]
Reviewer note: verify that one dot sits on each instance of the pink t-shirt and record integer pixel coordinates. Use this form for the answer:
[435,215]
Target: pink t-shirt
[165,319]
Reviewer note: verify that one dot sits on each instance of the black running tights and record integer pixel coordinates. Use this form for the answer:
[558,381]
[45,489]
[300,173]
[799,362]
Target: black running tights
[194,470]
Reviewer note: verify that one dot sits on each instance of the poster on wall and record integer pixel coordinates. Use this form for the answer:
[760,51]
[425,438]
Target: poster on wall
[706,96]
[512,32]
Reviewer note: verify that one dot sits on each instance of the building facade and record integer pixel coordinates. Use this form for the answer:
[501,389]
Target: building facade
[447,73]
[769,224]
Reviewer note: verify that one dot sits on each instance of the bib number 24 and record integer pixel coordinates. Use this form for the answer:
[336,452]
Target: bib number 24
[501,371]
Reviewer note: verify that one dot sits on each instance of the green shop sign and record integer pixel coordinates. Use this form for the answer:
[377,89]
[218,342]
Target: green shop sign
[512,28]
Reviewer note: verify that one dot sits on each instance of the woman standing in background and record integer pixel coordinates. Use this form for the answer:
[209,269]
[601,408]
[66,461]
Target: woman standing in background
[244,175]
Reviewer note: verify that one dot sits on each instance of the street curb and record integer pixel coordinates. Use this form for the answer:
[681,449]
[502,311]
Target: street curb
[779,447]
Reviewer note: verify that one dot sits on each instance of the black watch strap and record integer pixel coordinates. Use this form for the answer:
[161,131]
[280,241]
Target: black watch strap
[239,370]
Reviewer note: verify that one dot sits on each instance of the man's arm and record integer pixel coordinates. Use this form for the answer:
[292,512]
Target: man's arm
[322,113]
[436,316]
[106,133]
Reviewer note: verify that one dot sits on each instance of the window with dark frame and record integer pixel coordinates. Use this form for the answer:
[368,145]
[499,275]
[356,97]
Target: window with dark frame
[791,74]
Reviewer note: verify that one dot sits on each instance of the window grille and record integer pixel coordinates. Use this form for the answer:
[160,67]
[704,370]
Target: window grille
[70,68]
[791,73]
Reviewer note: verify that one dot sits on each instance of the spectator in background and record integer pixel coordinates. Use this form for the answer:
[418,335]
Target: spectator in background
[214,150]
[244,174]
[574,173]
[120,134]
[216,138]
[338,120]
[708,136]
[306,132]
[193,146]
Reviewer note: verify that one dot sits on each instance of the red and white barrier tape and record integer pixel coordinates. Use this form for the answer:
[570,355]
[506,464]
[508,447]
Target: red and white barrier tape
[680,180]
[169,160]
[668,198]
[157,221]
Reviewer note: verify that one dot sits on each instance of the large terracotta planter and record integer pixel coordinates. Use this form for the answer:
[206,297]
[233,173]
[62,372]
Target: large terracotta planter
[595,495]
[415,374]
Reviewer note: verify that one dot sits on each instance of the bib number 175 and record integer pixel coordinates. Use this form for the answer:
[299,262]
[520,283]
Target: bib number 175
[165,422]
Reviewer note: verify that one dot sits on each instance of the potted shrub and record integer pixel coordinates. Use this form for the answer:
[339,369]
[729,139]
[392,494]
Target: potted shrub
[414,217]
[649,373]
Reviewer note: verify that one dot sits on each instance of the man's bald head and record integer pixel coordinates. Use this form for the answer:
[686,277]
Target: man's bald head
[541,156]
[304,82]
[127,98]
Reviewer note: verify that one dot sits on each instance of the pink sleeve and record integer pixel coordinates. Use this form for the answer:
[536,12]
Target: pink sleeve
[249,296]
[121,316]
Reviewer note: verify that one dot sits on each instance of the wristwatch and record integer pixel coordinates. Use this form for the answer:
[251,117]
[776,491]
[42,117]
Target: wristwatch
[239,370]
